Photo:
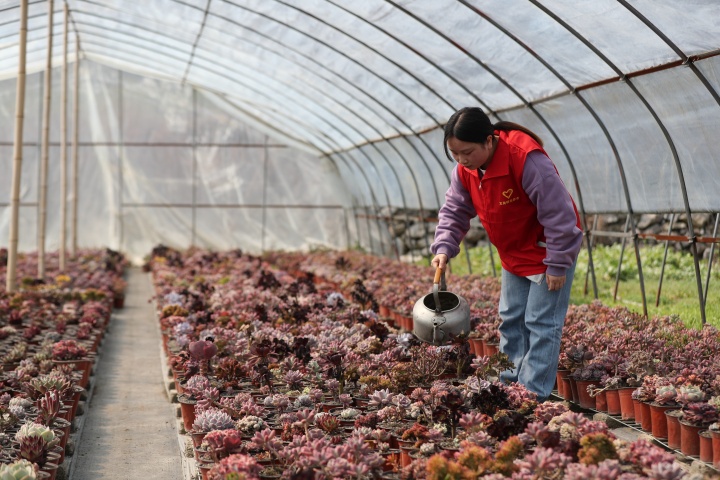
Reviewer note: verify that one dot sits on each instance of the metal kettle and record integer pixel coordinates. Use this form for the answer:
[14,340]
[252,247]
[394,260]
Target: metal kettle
[440,314]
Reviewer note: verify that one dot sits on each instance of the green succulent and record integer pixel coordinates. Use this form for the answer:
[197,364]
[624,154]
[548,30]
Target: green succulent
[19,470]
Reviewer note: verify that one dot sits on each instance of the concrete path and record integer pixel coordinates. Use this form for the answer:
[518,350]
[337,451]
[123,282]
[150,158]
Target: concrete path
[130,430]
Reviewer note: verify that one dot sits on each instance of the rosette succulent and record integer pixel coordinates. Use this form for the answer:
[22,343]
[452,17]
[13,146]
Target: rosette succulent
[18,470]
[35,440]
[690,394]
[212,419]
[700,413]
[250,424]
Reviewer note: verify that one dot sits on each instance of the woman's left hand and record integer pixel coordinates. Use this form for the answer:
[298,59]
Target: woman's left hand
[554,283]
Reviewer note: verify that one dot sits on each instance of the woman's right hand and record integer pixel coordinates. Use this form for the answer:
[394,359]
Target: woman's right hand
[440,261]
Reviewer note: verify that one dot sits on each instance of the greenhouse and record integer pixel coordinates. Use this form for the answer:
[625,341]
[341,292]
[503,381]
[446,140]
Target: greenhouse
[260,239]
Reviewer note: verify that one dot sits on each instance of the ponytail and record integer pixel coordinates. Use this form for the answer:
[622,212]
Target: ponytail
[508,126]
[471,124]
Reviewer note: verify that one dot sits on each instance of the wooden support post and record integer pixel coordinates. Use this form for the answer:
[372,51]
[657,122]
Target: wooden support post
[63,145]
[76,115]
[45,142]
[17,151]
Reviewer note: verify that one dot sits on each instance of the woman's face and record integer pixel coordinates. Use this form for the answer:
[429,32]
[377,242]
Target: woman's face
[472,155]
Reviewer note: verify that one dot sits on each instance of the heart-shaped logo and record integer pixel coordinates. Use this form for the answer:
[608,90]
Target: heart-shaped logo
[508,193]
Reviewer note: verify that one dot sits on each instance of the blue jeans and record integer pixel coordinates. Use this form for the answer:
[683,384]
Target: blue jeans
[532,323]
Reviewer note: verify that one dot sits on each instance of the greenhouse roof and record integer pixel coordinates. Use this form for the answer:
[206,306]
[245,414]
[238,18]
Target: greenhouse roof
[624,93]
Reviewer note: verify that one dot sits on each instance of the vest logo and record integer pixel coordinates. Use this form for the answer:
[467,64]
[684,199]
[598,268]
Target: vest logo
[510,199]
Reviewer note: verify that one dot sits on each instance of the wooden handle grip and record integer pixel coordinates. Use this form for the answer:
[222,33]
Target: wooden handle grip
[438,274]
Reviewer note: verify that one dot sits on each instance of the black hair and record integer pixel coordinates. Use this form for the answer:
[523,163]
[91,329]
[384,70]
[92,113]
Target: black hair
[471,124]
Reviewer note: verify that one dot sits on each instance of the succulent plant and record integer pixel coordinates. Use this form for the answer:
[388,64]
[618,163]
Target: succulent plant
[381,398]
[49,406]
[16,353]
[690,394]
[68,350]
[250,424]
[293,379]
[327,423]
[212,419]
[221,443]
[241,465]
[196,385]
[304,401]
[35,440]
[699,413]
[38,386]
[665,395]
[18,470]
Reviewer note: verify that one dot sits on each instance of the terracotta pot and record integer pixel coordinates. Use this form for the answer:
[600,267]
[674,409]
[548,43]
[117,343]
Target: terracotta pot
[561,383]
[384,311]
[637,406]
[407,323]
[659,427]
[187,409]
[567,387]
[706,449]
[584,398]
[197,438]
[204,469]
[50,468]
[476,346]
[613,402]
[716,448]
[689,439]
[601,401]
[392,459]
[673,428]
[627,410]
[646,423]
[491,348]
[405,452]
[574,390]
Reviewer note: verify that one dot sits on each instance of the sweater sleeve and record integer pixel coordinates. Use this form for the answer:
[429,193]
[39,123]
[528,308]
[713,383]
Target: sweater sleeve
[453,219]
[555,210]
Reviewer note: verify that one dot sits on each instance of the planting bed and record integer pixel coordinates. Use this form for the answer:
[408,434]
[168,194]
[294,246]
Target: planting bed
[301,366]
[50,334]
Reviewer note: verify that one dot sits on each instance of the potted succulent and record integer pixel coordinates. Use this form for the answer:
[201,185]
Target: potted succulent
[696,416]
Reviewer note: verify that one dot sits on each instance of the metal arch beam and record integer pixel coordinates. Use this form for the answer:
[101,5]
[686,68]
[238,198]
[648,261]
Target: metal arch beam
[618,160]
[279,121]
[408,72]
[197,39]
[687,61]
[581,203]
[132,59]
[327,143]
[402,157]
[392,146]
[350,160]
[350,126]
[673,150]
[517,94]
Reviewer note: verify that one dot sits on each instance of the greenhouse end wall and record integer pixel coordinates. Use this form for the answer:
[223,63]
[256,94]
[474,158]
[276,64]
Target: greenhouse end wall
[160,162]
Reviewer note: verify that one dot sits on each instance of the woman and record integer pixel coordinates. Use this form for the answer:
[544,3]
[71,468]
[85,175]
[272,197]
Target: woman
[504,176]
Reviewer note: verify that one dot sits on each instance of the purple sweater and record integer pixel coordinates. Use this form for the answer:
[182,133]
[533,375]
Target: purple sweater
[546,191]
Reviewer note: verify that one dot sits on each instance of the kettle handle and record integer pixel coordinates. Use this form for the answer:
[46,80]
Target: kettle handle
[440,279]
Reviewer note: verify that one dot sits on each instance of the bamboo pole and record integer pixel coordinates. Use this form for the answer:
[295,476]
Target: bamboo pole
[63,145]
[45,142]
[76,110]
[17,151]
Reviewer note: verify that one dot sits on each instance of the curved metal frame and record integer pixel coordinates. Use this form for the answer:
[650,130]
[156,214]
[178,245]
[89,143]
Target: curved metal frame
[516,93]
[686,61]
[289,127]
[368,123]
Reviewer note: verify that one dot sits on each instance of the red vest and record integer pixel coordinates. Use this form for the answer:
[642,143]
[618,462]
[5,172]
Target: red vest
[505,210]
